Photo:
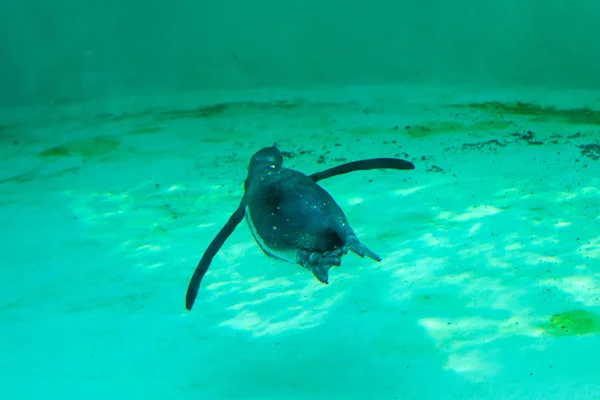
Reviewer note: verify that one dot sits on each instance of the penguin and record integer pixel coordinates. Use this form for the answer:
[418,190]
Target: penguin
[292,218]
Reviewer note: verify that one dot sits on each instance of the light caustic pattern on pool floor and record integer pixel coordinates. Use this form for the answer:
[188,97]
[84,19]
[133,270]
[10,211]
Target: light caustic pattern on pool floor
[490,246]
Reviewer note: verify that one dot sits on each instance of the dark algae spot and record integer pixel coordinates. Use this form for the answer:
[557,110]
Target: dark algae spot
[575,116]
[488,145]
[529,138]
[591,151]
[86,148]
[573,323]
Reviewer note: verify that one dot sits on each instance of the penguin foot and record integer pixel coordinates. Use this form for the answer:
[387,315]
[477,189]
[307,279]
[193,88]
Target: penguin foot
[354,245]
[319,263]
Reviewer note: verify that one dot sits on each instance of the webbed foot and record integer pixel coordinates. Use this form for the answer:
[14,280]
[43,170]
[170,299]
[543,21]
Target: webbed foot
[319,263]
[354,245]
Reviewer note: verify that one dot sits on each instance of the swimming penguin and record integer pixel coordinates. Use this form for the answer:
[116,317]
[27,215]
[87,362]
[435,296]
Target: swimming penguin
[292,218]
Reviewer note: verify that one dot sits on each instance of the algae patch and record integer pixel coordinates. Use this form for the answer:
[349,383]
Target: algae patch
[231,107]
[208,111]
[145,131]
[430,129]
[436,128]
[573,323]
[575,116]
[87,148]
[21,178]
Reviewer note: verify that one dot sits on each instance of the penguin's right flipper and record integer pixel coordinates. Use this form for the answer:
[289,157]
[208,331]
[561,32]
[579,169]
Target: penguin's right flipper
[210,252]
[363,165]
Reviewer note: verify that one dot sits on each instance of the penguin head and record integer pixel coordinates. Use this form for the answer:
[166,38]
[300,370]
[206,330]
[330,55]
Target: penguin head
[267,157]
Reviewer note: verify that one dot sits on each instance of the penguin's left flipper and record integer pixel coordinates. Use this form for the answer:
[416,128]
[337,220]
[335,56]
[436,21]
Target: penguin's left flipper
[210,252]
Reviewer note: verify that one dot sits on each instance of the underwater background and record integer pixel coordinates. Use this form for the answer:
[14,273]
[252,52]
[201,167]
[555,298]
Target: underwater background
[126,129]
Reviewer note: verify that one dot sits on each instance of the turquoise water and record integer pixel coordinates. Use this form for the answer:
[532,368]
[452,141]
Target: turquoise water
[110,192]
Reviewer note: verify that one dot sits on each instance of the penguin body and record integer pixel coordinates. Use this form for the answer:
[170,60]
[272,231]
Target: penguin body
[292,218]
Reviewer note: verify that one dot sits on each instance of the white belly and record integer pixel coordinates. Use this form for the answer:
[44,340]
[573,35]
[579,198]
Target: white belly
[288,256]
